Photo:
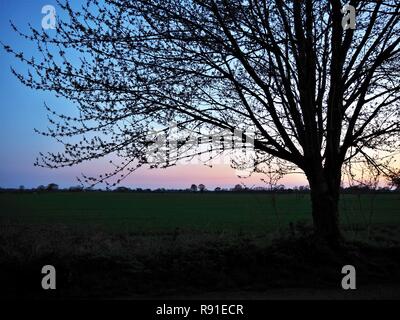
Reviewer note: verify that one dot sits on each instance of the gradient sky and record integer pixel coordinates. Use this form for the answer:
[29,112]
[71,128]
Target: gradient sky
[22,110]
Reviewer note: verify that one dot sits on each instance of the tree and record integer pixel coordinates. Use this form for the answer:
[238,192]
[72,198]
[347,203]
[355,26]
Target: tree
[202,187]
[75,189]
[315,95]
[394,180]
[238,187]
[52,187]
[122,189]
[193,188]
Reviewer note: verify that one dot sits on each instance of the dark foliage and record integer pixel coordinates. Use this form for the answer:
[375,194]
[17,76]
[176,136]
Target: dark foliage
[94,264]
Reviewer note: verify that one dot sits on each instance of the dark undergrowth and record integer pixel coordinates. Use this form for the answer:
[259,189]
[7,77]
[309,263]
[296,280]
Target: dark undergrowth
[92,263]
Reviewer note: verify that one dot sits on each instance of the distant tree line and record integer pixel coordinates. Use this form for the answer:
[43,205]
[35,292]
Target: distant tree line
[361,188]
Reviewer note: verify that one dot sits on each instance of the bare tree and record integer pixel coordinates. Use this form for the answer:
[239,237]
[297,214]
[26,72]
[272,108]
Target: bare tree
[394,180]
[314,94]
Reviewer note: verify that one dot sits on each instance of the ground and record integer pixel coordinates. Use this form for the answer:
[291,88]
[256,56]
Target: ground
[209,245]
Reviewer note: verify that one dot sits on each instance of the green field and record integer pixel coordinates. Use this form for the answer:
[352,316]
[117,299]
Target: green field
[220,212]
[146,245]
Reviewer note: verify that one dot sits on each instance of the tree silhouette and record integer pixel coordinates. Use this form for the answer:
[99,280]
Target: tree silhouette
[314,95]
[394,180]
[238,187]
[52,187]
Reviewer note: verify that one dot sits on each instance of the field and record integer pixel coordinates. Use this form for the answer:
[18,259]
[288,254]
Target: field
[209,212]
[209,245]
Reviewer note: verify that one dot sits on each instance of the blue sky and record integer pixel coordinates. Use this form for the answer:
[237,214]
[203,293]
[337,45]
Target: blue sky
[22,110]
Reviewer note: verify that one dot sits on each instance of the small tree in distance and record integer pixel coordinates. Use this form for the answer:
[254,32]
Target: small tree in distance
[52,187]
[394,180]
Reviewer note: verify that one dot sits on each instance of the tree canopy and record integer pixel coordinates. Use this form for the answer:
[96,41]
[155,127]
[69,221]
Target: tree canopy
[286,70]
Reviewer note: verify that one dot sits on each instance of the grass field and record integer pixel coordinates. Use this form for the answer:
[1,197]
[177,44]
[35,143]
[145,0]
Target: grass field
[145,245]
[211,212]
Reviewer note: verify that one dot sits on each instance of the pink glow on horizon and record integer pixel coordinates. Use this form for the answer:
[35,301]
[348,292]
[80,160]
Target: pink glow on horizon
[218,176]
[178,177]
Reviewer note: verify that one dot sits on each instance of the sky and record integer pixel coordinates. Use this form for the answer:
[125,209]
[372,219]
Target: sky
[22,110]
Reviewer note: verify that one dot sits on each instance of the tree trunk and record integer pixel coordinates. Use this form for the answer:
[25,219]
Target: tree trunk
[325,189]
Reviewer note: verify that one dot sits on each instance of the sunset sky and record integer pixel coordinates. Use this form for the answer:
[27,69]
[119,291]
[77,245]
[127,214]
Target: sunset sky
[22,110]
